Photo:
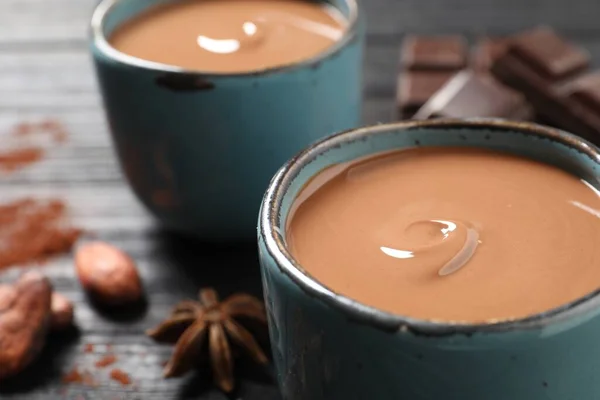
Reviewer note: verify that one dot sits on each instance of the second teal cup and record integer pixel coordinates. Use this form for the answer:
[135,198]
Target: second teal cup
[327,346]
[198,148]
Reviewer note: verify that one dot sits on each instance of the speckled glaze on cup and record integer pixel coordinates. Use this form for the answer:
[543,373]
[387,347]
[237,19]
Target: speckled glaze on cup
[198,148]
[327,346]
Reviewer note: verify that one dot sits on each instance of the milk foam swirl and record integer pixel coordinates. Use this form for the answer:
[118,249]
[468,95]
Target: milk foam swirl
[427,236]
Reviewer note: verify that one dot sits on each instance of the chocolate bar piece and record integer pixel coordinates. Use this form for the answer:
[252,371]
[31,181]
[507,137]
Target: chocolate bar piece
[427,62]
[583,101]
[416,87]
[549,55]
[486,52]
[469,94]
[548,71]
[586,90]
[434,52]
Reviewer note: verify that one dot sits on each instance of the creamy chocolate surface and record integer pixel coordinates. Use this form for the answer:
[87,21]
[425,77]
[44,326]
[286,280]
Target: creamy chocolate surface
[231,35]
[450,234]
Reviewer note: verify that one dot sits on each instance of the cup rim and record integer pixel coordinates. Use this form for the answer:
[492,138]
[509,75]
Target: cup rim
[101,43]
[274,241]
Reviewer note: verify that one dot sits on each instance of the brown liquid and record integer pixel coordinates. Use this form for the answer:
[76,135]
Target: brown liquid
[231,35]
[450,234]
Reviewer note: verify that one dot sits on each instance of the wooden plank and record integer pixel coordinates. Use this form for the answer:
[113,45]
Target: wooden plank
[47,81]
[95,207]
[172,269]
[64,82]
[66,21]
[392,17]
[45,72]
[23,22]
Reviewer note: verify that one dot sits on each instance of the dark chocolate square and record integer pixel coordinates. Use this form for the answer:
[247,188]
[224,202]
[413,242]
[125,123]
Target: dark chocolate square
[564,103]
[549,54]
[586,90]
[469,94]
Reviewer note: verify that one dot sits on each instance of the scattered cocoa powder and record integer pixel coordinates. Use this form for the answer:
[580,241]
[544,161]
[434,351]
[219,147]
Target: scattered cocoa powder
[22,156]
[13,160]
[33,230]
[23,128]
[89,380]
[60,136]
[50,126]
[55,128]
[105,361]
[79,377]
[120,376]
[73,376]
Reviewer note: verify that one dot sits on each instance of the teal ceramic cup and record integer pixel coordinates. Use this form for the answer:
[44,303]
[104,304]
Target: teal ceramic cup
[327,346]
[198,149]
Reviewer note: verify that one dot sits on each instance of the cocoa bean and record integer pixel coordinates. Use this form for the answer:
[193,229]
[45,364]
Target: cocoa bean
[24,321]
[108,274]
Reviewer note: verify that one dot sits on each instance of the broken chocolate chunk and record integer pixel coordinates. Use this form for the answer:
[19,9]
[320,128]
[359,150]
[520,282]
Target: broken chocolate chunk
[469,94]
[548,71]
[427,64]
[416,87]
[548,54]
[586,91]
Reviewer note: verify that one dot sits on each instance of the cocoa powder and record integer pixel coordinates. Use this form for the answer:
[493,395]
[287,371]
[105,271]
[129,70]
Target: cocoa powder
[120,376]
[105,361]
[13,160]
[50,126]
[27,154]
[23,128]
[75,376]
[33,230]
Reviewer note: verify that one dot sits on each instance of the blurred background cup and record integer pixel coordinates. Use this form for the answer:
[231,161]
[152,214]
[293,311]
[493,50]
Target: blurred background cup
[198,149]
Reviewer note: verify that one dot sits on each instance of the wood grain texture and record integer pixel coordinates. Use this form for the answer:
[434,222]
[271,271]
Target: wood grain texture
[45,72]
[61,22]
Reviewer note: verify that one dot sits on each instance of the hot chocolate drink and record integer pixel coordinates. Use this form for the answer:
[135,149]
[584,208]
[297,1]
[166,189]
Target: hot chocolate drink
[229,36]
[451,234]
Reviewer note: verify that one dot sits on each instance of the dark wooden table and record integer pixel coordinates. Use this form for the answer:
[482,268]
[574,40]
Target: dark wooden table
[45,72]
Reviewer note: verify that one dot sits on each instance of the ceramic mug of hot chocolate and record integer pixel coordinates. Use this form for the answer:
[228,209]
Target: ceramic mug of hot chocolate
[198,148]
[329,345]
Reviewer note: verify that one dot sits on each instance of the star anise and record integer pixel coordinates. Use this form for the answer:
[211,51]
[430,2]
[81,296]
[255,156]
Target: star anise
[194,321]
